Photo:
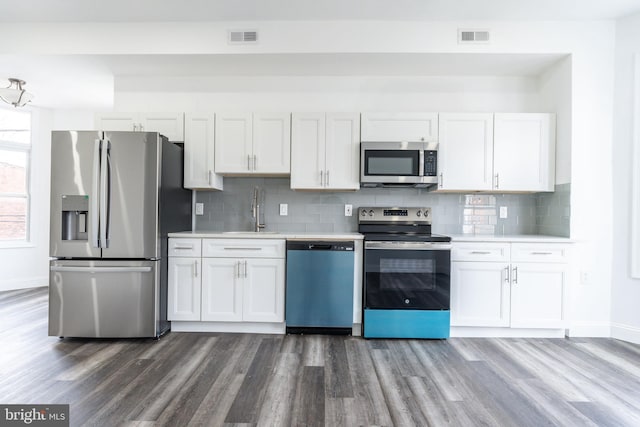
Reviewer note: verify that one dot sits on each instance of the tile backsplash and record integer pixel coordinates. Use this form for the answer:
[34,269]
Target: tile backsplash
[478,213]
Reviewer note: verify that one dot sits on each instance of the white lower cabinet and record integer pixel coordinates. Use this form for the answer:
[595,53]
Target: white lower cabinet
[183,300]
[515,285]
[234,282]
[249,290]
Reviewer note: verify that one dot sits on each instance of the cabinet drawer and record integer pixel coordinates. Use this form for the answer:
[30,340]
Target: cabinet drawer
[243,248]
[185,247]
[480,252]
[539,252]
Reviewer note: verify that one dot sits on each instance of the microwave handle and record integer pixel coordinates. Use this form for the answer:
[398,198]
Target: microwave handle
[421,164]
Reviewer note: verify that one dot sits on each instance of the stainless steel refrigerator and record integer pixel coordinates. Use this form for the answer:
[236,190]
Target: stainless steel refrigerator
[114,198]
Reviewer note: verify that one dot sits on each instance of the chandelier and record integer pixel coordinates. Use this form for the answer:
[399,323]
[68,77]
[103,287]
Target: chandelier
[14,94]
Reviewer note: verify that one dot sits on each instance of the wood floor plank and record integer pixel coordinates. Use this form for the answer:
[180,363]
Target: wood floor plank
[308,406]
[246,406]
[203,379]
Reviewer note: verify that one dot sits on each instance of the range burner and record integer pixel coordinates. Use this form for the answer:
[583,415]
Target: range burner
[397,224]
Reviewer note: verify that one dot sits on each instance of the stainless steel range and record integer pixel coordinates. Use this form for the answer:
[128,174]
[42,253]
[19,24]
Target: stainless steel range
[406,274]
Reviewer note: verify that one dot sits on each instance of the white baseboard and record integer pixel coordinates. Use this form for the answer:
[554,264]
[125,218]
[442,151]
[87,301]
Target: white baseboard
[589,329]
[482,332]
[31,282]
[625,333]
[238,327]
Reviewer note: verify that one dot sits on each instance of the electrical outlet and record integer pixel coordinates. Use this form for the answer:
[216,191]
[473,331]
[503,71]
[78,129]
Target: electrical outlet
[584,277]
[503,212]
[284,209]
[348,210]
[199,208]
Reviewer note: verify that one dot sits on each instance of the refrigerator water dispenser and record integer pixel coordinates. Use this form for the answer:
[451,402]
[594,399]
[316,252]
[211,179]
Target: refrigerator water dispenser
[75,210]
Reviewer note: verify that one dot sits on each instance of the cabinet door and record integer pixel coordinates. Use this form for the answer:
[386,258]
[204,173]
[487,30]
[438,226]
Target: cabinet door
[524,152]
[307,151]
[263,290]
[342,151]
[480,294]
[233,147]
[116,121]
[199,153]
[222,289]
[184,285]
[538,293]
[271,143]
[411,127]
[465,151]
[170,125]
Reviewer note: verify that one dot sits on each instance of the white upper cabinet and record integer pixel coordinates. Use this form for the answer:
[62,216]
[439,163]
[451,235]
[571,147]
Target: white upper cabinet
[199,155]
[524,152]
[496,152]
[465,151]
[170,125]
[325,151]
[410,127]
[248,144]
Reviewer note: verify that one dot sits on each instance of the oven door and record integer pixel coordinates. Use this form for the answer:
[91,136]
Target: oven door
[407,275]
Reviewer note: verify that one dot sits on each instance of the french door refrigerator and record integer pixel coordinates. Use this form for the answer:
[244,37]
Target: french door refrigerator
[114,198]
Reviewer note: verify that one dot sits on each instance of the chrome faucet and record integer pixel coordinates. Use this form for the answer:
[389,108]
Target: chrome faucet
[258,196]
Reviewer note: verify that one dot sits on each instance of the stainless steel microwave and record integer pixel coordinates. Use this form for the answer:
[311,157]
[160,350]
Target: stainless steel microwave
[411,164]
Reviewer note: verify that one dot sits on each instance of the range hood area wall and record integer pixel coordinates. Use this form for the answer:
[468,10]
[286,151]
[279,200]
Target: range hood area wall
[230,209]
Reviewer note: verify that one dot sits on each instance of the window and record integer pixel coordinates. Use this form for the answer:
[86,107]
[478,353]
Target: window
[15,156]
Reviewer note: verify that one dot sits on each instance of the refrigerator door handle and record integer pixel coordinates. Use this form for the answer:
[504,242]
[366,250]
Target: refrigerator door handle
[104,193]
[94,218]
[101,269]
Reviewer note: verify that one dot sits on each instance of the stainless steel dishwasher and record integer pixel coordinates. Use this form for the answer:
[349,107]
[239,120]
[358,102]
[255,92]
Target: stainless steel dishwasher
[319,287]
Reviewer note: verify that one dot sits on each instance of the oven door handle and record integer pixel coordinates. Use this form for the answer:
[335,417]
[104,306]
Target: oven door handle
[415,246]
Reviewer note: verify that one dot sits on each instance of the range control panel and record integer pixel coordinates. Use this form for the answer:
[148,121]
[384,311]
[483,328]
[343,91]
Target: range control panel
[390,215]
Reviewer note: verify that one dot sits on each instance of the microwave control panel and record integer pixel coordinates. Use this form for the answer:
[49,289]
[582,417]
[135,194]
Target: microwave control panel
[430,163]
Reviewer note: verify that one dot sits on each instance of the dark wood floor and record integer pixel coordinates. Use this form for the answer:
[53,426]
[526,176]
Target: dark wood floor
[224,379]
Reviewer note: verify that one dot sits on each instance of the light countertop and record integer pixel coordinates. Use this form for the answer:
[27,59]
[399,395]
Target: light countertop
[267,235]
[518,238]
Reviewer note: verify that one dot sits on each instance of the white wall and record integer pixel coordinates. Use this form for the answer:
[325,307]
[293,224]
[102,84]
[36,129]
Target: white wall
[625,312]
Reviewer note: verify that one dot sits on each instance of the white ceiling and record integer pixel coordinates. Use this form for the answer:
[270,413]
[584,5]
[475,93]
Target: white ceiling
[249,10]
[50,77]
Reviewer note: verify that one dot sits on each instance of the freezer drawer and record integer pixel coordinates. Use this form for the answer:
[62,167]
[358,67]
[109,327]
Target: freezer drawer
[106,299]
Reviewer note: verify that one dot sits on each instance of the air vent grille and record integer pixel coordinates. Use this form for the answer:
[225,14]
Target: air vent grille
[243,36]
[473,36]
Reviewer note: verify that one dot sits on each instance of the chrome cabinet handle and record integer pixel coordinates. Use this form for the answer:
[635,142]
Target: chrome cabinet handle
[195,268]
[241,249]
[210,178]
[541,253]
[440,180]
[506,274]
[248,162]
[515,275]
[135,127]
[237,268]
[321,178]
[327,178]
[480,252]
[497,181]
[179,248]
[245,269]
[255,160]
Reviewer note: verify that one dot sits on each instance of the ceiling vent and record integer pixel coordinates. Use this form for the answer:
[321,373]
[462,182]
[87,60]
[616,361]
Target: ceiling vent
[243,36]
[473,36]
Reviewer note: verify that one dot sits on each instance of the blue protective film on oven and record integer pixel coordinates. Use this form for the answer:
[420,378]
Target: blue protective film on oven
[434,324]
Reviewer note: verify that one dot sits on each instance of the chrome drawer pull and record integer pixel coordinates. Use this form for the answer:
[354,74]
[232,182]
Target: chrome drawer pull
[183,247]
[541,253]
[480,252]
[242,249]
